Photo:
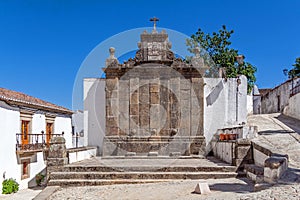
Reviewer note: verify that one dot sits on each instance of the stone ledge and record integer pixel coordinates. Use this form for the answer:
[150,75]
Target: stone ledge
[254,169]
[46,193]
[267,150]
[275,162]
[72,150]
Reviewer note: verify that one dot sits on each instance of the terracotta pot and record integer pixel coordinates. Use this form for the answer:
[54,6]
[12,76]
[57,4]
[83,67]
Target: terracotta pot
[232,136]
[227,136]
[222,136]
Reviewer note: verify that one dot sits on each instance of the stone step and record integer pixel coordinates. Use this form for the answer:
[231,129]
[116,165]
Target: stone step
[95,182]
[119,168]
[139,175]
[254,173]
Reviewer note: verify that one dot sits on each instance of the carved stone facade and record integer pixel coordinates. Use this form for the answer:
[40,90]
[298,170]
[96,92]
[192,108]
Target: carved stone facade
[154,102]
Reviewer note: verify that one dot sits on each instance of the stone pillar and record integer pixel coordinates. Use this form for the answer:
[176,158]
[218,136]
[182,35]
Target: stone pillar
[274,168]
[134,106]
[197,117]
[57,155]
[112,107]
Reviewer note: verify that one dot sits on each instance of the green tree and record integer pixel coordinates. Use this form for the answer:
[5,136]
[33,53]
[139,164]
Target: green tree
[295,72]
[217,53]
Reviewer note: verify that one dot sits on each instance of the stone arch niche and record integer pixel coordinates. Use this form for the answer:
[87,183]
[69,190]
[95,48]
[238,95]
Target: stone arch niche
[154,102]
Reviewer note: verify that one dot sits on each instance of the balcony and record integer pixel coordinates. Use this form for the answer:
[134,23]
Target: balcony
[33,142]
[295,90]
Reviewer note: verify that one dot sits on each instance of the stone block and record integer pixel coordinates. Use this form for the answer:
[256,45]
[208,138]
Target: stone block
[112,122]
[185,95]
[144,109]
[52,162]
[108,110]
[154,87]
[243,141]
[275,162]
[155,116]
[134,109]
[144,98]
[259,158]
[175,154]
[134,84]
[202,188]
[154,98]
[134,98]
[114,107]
[124,106]
[112,131]
[134,121]
[243,152]
[144,121]
[111,84]
[130,154]
[185,84]
[153,154]
[274,168]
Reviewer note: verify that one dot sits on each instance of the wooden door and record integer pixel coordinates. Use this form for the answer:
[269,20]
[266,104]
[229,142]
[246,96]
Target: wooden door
[25,132]
[49,132]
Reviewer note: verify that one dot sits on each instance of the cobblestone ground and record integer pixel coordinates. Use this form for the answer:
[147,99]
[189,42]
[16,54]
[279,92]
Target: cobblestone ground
[238,189]
[275,130]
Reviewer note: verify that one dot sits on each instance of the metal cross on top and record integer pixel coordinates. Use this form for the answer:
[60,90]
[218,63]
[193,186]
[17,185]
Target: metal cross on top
[154,20]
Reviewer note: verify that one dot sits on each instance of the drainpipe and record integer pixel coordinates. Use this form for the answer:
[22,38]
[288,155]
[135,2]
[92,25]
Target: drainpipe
[238,82]
[240,61]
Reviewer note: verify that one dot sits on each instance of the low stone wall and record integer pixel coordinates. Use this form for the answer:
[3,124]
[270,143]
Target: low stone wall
[59,156]
[236,152]
[81,153]
[260,162]
[273,162]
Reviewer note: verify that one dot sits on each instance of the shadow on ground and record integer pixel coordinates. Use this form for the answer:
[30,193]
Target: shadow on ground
[272,132]
[291,176]
[290,122]
[234,187]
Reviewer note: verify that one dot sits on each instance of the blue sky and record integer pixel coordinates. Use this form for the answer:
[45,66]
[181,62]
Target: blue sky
[43,43]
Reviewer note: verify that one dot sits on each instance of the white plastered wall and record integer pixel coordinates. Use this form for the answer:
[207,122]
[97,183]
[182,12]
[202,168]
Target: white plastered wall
[10,124]
[64,124]
[224,106]
[293,108]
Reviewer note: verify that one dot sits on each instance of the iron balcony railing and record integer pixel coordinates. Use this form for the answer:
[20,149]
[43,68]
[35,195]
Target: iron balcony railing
[33,142]
[295,90]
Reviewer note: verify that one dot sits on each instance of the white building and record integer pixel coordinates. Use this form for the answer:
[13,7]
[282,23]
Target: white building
[26,127]
[284,98]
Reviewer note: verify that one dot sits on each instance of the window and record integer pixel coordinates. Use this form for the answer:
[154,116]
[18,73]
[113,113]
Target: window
[25,169]
[25,131]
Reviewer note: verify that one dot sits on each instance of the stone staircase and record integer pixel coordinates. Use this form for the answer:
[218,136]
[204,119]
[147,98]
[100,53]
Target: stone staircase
[101,171]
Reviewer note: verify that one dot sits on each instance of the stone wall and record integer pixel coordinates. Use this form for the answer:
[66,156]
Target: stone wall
[154,102]
[219,113]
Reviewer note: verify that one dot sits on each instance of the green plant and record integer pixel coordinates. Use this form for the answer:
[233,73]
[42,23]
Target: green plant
[9,186]
[217,52]
[39,178]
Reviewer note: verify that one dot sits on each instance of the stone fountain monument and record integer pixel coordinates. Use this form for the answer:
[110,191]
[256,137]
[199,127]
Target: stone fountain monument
[154,101]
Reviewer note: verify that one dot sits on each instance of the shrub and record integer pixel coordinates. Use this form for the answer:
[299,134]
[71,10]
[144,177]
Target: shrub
[39,178]
[9,186]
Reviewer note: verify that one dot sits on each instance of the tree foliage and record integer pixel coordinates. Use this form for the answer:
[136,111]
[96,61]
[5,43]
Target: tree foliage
[217,53]
[295,72]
